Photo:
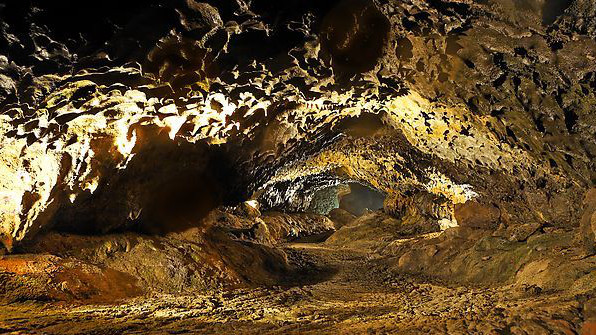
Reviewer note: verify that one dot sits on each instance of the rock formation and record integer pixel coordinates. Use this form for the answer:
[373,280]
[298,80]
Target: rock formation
[130,131]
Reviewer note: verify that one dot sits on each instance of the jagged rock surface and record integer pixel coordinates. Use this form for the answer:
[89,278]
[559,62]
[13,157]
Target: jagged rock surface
[228,100]
[175,150]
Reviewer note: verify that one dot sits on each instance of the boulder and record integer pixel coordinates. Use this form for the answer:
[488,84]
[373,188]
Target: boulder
[518,232]
[291,227]
[431,205]
[200,16]
[477,215]
[248,209]
[341,217]
[261,232]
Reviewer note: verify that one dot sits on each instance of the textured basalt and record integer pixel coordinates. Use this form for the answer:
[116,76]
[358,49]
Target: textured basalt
[147,116]
[299,166]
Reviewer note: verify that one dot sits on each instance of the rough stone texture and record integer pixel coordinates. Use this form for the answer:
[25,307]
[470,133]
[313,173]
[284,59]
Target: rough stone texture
[476,215]
[588,222]
[548,261]
[218,254]
[376,229]
[170,149]
[292,227]
[341,217]
[453,98]
[355,293]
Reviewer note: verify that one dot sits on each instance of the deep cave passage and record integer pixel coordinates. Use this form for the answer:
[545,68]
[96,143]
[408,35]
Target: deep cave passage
[352,197]
[298,167]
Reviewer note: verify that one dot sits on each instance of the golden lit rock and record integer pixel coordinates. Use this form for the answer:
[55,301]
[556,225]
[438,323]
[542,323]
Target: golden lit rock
[344,166]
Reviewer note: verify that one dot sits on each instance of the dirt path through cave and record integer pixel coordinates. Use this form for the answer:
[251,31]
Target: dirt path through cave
[352,293]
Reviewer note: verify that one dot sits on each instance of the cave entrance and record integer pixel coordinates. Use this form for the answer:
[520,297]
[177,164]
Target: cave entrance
[353,197]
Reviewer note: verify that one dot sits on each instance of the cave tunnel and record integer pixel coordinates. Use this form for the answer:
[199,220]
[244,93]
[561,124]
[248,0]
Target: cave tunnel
[352,197]
[298,167]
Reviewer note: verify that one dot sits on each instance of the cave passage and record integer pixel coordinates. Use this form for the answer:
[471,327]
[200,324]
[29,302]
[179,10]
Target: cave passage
[298,167]
[354,198]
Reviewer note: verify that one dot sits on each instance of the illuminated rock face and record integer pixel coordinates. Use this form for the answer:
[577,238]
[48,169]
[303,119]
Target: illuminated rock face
[151,122]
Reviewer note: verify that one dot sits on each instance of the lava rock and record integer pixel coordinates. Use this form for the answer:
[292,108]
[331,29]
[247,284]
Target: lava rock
[476,215]
[200,16]
[355,33]
[588,222]
[341,217]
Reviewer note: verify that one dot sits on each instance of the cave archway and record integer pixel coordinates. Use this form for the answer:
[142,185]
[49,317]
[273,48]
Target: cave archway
[352,197]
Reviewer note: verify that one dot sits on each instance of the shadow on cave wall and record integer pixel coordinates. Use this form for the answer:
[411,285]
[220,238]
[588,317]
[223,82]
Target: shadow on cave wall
[168,186]
[552,9]
[354,34]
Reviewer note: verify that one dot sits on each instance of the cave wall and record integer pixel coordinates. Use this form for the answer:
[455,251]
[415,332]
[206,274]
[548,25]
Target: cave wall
[108,117]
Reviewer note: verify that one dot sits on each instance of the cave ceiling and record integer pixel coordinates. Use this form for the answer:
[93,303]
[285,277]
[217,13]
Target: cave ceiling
[125,114]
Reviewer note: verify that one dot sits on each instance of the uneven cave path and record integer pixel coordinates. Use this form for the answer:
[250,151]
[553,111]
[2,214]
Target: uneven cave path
[347,292]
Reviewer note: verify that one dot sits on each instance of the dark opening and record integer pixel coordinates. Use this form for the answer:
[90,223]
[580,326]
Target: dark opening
[352,197]
[553,9]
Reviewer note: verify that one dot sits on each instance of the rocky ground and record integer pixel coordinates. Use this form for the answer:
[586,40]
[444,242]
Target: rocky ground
[335,289]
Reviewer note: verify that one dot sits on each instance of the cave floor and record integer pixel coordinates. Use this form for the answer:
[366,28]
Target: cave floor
[352,292]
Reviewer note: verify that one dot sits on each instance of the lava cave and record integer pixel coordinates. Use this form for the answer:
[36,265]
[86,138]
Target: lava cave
[298,167]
